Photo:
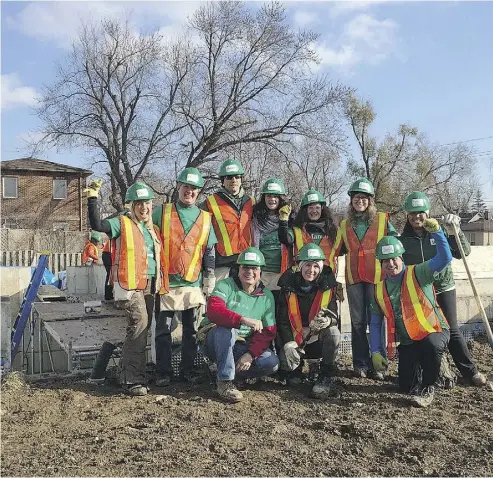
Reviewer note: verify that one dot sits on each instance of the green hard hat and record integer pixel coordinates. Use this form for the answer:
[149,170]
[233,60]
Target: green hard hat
[95,236]
[191,176]
[231,167]
[389,247]
[312,197]
[362,185]
[251,257]
[274,187]
[311,252]
[417,202]
[138,192]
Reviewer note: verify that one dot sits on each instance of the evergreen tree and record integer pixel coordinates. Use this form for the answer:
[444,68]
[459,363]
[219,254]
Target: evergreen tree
[478,204]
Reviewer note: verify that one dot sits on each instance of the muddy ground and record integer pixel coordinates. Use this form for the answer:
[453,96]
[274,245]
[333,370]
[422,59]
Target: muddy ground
[69,428]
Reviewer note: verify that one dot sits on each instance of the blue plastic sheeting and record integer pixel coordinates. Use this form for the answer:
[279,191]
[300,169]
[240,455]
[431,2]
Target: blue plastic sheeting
[48,277]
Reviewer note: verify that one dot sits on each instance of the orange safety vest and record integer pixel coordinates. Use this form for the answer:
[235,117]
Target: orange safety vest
[130,258]
[418,314]
[90,252]
[285,259]
[321,300]
[361,263]
[184,252]
[233,232]
[331,251]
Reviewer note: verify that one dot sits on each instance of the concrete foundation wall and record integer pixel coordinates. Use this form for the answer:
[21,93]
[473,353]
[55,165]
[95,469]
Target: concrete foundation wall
[82,280]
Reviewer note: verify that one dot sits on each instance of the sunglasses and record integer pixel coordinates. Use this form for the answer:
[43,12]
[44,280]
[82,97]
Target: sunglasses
[233,176]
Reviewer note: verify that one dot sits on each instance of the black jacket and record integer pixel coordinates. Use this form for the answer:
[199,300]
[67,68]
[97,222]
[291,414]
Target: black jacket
[292,281]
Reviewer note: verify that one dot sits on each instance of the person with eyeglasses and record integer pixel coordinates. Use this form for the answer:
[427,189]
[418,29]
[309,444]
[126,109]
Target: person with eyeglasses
[232,212]
[361,231]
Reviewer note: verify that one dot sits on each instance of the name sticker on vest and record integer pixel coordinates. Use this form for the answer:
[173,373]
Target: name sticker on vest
[273,187]
[313,253]
[193,178]
[364,186]
[388,249]
[231,168]
[432,241]
[417,202]
[142,193]
[251,256]
[312,197]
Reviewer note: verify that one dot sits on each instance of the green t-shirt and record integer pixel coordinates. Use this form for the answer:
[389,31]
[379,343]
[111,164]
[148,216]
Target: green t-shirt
[259,307]
[188,216]
[362,227]
[116,230]
[425,278]
[270,246]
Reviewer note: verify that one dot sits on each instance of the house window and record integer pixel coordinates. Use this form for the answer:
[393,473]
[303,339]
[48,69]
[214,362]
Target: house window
[10,224]
[9,187]
[472,241]
[59,189]
[60,226]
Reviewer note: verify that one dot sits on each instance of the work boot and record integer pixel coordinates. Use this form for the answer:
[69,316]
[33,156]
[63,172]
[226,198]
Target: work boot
[446,378]
[163,381]
[323,387]
[360,372]
[424,397]
[478,380]
[108,292]
[228,392]
[191,376]
[98,373]
[135,389]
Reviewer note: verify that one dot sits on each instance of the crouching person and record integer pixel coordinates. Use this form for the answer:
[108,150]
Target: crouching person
[243,313]
[307,319]
[407,300]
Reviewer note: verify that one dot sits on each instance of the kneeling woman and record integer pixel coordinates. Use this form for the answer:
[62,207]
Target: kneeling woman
[307,313]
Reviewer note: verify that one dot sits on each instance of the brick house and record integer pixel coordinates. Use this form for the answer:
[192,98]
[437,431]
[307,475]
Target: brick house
[38,194]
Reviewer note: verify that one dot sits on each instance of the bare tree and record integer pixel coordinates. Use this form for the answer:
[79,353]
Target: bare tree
[114,96]
[252,83]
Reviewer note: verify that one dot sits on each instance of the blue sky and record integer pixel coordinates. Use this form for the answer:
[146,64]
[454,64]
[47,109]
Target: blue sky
[429,64]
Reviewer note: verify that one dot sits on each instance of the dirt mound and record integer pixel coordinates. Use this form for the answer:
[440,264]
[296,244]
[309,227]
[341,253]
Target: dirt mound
[70,428]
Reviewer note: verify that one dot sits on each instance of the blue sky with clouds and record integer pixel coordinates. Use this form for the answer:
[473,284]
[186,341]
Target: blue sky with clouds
[428,64]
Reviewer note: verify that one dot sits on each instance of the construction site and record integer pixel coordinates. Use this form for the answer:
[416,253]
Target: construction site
[66,426]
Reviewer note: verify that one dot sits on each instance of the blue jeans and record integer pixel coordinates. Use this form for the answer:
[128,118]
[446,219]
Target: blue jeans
[359,297]
[221,347]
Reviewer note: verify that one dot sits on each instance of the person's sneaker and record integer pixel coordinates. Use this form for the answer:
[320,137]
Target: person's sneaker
[163,381]
[136,389]
[360,372]
[323,387]
[478,380]
[191,376]
[424,397]
[228,392]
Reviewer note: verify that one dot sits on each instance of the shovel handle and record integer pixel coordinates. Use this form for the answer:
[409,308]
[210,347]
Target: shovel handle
[473,285]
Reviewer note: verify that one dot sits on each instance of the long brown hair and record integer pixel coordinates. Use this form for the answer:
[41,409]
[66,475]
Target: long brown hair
[369,214]
[326,217]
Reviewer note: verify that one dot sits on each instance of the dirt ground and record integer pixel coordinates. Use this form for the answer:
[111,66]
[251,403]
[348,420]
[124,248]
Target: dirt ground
[69,428]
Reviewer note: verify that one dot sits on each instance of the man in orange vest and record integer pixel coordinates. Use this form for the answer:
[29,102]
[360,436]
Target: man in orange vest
[407,301]
[232,212]
[90,254]
[189,241]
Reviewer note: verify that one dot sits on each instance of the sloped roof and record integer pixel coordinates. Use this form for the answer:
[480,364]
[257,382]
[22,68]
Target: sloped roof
[34,164]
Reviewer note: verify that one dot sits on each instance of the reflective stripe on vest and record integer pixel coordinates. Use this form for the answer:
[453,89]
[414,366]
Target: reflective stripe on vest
[233,232]
[321,300]
[132,257]
[361,263]
[184,252]
[418,314]
[301,237]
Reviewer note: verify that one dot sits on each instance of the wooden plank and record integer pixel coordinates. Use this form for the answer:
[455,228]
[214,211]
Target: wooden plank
[55,311]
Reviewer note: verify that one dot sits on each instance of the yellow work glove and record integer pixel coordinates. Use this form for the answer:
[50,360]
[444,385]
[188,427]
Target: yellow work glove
[379,363]
[93,189]
[431,225]
[284,212]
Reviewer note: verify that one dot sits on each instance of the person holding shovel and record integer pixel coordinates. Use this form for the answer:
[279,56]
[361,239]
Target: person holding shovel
[420,246]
